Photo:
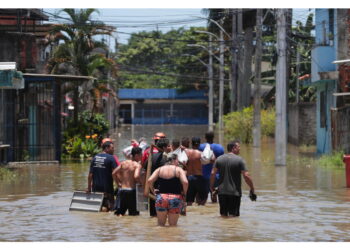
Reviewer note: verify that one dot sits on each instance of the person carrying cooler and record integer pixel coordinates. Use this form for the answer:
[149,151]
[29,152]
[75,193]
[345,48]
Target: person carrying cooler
[100,175]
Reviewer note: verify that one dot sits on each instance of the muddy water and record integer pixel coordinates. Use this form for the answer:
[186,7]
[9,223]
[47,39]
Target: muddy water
[300,202]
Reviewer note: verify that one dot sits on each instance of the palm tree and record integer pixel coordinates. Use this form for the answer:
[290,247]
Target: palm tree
[74,53]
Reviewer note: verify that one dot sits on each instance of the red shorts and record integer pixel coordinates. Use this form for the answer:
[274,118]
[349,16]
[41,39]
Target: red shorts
[171,203]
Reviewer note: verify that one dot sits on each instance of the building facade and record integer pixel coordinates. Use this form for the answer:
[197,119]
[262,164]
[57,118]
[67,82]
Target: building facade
[162,106]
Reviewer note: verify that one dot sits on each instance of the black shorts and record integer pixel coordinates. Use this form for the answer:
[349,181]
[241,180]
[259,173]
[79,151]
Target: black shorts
[229,205]
[126,200]
[196,185]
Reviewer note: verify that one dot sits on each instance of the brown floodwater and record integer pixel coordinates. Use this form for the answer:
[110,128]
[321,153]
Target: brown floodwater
[299,202]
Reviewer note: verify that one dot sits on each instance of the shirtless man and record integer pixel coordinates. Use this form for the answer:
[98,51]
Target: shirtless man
[194,174]
[127,174]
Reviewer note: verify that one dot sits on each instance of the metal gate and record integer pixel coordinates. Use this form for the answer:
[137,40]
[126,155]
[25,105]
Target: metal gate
[31,121]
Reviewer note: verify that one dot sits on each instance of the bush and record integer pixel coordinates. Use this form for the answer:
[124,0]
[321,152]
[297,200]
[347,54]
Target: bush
[239,124]
[332,160]
[7,174]
[83,138]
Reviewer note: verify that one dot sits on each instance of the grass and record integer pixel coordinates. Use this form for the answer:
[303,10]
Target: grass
[332,160]
[7,174]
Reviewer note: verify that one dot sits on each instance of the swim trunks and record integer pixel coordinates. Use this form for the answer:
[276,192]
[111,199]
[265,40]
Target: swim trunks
[172,203]
[126,200]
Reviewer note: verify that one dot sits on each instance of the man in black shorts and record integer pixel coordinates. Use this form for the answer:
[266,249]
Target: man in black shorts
[126,175]
[230,167]
[100,175]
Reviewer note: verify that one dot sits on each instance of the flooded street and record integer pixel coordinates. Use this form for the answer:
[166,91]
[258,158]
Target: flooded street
[300,202]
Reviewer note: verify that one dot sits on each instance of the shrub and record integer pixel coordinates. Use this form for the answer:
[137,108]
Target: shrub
[332,160]
[239,124]
[83,138]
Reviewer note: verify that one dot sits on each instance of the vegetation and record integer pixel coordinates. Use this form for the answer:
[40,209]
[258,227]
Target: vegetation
[83,140]
[334,159]
[163,60]
[239,124]
[76,53]
[7,174]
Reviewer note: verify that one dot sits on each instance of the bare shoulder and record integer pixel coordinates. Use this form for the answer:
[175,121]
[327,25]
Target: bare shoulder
[136,164]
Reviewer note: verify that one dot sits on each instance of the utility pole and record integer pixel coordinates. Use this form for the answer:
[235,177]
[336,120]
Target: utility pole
[221,84]
[281,86]
[211,92]
[240,65]
[298,63]
[234,61]
[257,81]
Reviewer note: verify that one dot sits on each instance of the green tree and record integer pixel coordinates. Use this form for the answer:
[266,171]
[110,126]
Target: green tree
[162,60]
[74,53]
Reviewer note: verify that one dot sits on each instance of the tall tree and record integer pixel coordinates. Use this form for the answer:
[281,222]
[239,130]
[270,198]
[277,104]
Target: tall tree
[74,53]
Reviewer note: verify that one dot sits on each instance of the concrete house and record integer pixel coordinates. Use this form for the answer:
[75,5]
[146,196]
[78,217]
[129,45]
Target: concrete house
[332,44]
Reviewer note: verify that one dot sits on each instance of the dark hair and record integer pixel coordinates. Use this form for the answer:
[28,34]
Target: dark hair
[185,140]
[175,143]
[162,143]
[196,141]
[171,157]
[107,144]
[209,136]
[231,145]
[136,151]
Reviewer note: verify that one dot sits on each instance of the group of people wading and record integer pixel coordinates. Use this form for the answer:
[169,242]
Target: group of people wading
[173,176]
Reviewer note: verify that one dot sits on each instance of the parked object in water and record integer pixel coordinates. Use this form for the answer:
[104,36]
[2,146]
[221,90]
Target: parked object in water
[84,201]
[346,159]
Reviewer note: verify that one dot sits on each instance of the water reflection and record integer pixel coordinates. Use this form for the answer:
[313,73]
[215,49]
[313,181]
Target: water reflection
[298,202]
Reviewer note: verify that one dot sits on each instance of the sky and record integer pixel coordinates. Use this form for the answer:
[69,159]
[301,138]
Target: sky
[127,20]
[130,20]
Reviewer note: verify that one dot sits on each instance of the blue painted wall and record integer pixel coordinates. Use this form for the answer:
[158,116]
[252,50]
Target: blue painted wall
[324,140]
[325,51]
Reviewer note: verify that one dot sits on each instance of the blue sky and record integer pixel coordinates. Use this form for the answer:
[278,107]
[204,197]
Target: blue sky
[130,20]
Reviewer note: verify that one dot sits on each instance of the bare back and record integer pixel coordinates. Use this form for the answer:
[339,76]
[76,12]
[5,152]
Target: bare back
[125,173]
[194,165]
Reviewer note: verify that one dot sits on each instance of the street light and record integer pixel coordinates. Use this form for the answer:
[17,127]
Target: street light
[210,80]
[221,70]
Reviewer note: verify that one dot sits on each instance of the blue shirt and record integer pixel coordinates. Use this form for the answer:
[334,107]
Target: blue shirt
[102,166]
[218,150]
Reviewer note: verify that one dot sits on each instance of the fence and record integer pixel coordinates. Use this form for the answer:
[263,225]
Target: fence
[341,128]
[30,121]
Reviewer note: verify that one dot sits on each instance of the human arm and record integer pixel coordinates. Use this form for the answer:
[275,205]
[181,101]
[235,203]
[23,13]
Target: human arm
[152,179]
[137,174]
[90,177]
[212,177]
[248,180]
[183,180]
[115,175]
[89,183]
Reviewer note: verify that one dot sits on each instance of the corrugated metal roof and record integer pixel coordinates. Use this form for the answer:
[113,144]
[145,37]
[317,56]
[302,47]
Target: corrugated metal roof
[160,94]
